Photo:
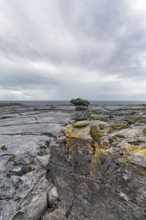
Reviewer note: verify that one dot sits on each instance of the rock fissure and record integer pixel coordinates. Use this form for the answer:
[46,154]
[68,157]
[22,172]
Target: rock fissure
[27,134]
[69,209]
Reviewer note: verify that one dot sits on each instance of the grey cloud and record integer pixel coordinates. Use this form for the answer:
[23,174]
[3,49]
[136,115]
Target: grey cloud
[13,49]
[22,77]
[87,36]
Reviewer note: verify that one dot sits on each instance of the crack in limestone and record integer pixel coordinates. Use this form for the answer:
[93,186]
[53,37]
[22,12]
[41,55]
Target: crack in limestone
[48,134]
[69,209]
[33,123]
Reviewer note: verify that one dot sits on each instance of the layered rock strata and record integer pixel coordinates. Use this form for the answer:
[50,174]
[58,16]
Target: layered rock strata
[82,111]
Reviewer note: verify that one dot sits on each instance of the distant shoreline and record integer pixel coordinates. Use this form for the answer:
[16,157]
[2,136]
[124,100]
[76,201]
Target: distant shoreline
[55,102]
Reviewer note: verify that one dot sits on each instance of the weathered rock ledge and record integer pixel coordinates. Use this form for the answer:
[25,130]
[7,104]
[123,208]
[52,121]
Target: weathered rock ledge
[26,134]
[100,176]
[88,170]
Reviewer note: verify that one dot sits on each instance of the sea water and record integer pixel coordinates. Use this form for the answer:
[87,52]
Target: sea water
[56,102]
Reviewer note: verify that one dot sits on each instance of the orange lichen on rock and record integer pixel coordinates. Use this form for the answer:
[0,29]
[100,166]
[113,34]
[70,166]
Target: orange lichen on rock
[104,142]
[91,142]
[79,133]
[135,154]
[143,171]
[93,166]
[137,150]
[73,133]
[95,159]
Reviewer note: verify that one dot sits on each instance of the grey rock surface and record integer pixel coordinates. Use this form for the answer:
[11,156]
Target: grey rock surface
[80,115]
[26,135]
[53,197]
[48,173]
[102,179]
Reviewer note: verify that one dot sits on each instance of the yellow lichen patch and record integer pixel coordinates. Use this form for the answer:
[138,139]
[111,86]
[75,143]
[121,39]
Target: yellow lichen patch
[137,149]
[93,167]
[96,159]
[135,154]
[79,133]
[98,150]
[70,132]
[143,171]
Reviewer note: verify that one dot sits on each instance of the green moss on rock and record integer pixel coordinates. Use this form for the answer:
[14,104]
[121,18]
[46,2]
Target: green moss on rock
[111,140]
[135,119]
[144,130]
[47,143]
[95,132]
[117,127]
[10,104]
[103,119]
[102,127]
[43,153]
[3,148]
[30,168]
[144,105]
[130,122]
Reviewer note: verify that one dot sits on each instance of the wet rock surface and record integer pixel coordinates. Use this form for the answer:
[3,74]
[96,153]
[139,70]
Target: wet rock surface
[50,169]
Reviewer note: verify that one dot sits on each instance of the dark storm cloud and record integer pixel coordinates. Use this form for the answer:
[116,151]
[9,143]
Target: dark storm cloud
[89,48]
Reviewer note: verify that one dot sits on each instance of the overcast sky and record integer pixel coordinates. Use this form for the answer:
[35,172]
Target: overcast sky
[63,49]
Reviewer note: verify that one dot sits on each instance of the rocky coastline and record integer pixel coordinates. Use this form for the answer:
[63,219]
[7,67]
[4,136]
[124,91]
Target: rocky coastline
[55,167]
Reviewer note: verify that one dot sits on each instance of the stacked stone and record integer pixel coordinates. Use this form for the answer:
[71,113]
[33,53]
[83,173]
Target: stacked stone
[81,116]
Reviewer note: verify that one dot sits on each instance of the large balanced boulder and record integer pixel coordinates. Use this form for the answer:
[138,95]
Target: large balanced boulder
[80,102]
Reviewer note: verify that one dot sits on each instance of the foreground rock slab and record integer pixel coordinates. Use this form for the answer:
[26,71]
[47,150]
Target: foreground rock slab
[25,139]
[53,170]
[96,179]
